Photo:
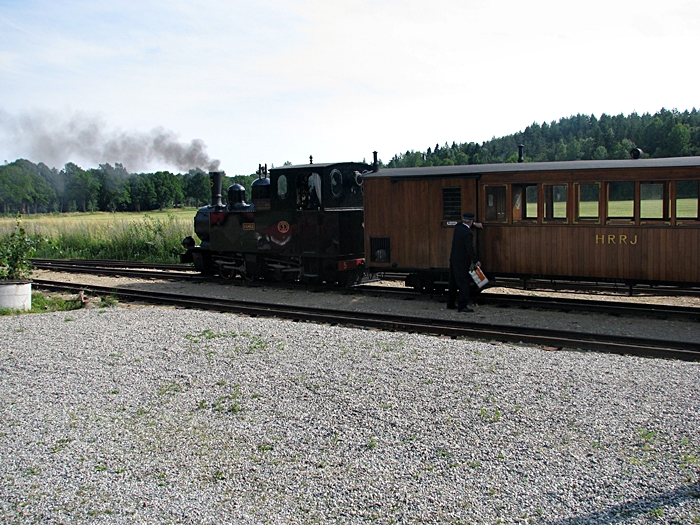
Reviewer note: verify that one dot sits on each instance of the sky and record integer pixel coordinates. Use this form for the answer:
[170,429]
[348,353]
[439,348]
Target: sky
[170,84]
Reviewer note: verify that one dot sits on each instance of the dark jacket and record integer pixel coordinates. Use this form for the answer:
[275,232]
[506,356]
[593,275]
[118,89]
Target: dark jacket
[463,254]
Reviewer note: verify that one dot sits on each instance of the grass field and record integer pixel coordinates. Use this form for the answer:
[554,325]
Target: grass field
[149,237]
[8,221]
[650,209]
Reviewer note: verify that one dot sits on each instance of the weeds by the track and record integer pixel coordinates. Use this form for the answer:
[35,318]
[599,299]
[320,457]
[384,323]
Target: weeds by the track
[53,303]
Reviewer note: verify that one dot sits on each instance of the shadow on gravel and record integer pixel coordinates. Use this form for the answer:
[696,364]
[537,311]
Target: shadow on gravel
[652,505]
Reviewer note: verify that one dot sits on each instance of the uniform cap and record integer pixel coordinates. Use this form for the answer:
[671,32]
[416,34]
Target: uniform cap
[468,217]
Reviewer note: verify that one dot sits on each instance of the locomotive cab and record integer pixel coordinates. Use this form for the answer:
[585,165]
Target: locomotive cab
[317,186]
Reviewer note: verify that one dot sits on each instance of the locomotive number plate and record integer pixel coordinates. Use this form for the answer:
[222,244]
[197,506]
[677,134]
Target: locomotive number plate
[249,226]
[283,226]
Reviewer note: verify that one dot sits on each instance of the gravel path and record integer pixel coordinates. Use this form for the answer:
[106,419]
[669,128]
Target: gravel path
[160,415]
[424,306]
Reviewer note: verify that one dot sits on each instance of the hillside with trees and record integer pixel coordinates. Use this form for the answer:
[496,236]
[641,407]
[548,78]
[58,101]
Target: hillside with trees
[668,133]
[37,188]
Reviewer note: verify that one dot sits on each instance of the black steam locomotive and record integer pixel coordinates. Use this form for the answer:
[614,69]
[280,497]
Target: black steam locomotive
[303,223]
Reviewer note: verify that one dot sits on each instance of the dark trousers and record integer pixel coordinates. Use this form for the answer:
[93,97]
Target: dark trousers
[459,280]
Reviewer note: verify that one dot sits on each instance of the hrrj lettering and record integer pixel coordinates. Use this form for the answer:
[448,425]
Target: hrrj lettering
[616,239]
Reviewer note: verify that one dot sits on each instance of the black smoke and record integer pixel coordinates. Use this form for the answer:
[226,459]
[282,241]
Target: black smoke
[56,139]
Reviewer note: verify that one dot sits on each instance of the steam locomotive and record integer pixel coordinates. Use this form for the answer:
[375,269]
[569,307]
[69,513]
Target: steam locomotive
[303,223]
[625,221]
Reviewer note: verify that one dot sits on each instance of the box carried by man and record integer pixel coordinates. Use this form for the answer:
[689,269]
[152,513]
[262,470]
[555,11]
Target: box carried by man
[478,276]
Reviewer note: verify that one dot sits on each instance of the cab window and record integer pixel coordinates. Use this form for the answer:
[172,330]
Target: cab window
[282,189]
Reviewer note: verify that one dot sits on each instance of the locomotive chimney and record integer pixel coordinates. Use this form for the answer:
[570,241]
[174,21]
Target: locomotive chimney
[216,177]
[520,153]
[375,164]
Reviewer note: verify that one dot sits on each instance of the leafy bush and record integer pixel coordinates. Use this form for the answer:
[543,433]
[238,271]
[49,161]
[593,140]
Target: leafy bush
[16,254]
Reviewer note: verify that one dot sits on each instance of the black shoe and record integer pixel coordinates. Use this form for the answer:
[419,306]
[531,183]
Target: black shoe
[451,307]
[465,309]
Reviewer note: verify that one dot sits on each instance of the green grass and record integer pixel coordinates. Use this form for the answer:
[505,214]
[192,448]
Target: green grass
[42,303]
[588,209]
[649,209]
[687,208]
[149,237]
[8,221]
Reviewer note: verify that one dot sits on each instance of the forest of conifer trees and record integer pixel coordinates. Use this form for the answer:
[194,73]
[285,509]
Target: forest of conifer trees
[668,133]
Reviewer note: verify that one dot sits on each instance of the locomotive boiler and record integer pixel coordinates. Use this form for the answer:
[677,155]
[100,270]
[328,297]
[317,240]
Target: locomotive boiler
[303,222]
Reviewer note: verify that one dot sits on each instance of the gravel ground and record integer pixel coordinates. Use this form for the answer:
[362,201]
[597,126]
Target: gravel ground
[161,415]
[678,330]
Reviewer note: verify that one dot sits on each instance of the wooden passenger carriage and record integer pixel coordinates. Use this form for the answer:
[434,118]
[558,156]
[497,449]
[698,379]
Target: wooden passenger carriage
[631,221]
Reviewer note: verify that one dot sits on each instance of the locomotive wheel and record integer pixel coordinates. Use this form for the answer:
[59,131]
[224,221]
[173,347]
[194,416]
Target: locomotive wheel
[227,273]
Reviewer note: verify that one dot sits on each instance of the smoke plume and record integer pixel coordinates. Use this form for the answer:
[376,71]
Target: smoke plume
[54,140]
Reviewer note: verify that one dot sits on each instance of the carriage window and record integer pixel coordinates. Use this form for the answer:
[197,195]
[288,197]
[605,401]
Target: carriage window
[282,187]
[587,197]
[555,201]
[495,204]
[451,204]
[621,200]
[524,202]
[651,201]
[687,199]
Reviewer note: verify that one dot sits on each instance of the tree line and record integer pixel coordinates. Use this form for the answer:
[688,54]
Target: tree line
[667,133]
[35,188]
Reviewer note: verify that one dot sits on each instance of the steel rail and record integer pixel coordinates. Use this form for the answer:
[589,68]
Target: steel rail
[571,286]
[659,311]
[503,282]
[618,308]
[562,285]
[554,339]
[114,263]
[179,272]
[121,268]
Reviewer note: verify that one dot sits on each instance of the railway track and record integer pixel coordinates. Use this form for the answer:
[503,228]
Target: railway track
[550,285]
[658,311]
[617,308]
[121,268]
[187,272]
[549,339]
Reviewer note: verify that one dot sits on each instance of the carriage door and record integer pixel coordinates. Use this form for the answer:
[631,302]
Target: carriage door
[450,198]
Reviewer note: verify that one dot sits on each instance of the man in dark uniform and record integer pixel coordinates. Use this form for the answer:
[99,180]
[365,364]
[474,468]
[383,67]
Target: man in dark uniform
[462,257]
